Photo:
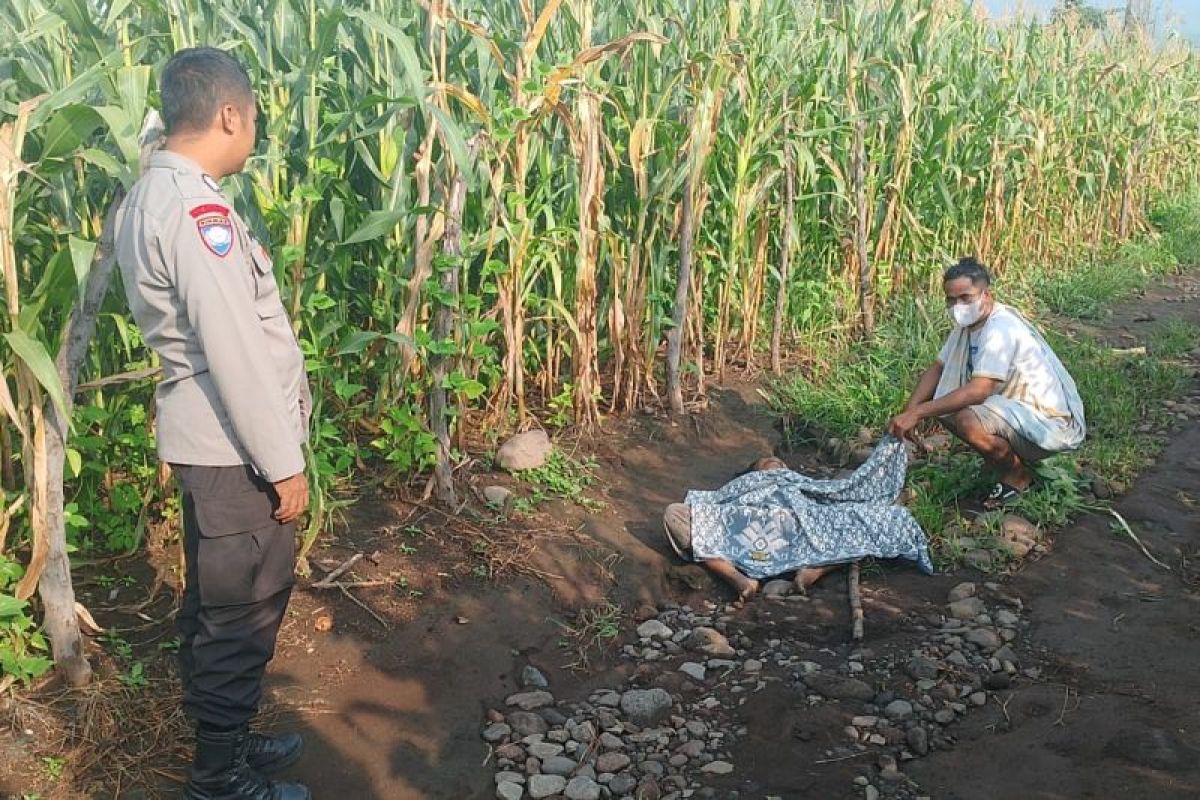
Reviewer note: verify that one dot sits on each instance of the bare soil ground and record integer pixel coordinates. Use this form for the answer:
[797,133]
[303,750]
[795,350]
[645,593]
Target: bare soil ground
[393,707]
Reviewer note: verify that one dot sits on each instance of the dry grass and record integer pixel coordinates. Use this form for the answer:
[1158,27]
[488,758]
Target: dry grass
[110,738]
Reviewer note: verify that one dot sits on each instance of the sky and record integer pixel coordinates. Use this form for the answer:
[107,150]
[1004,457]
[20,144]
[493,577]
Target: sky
[1185,13]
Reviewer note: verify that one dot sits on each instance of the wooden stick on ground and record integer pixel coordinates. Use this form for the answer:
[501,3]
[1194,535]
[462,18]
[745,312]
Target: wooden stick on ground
[330,580]
[363,606]
[1136,540]
[856,609]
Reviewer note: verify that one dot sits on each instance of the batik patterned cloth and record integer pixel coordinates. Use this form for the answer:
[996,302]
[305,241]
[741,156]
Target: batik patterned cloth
[776,521]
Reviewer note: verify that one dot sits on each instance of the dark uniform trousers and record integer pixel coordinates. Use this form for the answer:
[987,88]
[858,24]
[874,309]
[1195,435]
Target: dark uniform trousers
[239,576]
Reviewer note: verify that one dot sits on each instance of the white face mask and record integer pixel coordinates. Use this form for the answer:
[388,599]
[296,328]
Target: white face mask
[967,314]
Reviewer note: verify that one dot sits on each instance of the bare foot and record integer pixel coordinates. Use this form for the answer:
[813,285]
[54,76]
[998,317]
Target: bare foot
[807,576]
[746,589]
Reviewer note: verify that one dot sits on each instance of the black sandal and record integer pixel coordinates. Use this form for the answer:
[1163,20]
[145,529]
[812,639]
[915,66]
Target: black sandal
[1001,495]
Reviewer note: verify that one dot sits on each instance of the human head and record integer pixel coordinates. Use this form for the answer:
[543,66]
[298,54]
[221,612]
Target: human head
[769,462]
[207,100]
[968,291]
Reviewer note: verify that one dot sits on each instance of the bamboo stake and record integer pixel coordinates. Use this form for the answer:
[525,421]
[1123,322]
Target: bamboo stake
[856,609]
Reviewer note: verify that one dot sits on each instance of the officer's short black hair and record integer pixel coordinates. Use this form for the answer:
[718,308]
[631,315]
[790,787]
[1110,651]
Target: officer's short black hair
[195,84]
[969,267]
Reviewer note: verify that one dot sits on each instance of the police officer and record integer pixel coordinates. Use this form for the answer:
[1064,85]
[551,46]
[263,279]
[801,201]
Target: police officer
[233,409]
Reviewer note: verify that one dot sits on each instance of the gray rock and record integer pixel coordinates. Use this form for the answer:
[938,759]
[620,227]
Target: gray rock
[531,701]
[1007,618]
[497,496]
[552,715]
[646,707]
[717,768]
[508,776]
[836,687]
[962,592]
[693,670]
[496,732]
[532,678]
[541,786]
[967,609]
[709,641]
[984,638]
[559,765]
[944,716]
[870,793]
[921,668]
[611,741]
[696,728]
[509,791]
[1006,654]
[527,450]
[612,762]
[525,724]
[918,740]
[981,560]
[581,731]
[753,666]
[648,789]
[777,588]
[609,699]
[622,784]
[691,749]
[898,709]
[544,750]
[581,788]
[653,629]
[978,698]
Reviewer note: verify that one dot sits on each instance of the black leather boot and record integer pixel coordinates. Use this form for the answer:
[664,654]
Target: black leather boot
[268,755]
[220,771]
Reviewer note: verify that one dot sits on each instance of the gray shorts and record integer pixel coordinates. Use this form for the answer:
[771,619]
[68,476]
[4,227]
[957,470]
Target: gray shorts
[996,425]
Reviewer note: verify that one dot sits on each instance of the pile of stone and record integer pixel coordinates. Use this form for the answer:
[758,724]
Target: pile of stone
[672,730]
[968,656]
[642,742]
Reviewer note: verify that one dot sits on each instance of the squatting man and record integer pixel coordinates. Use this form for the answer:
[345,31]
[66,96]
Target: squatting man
[996,385]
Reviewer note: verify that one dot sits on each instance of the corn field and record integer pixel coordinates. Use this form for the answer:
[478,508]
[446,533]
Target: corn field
[546,211]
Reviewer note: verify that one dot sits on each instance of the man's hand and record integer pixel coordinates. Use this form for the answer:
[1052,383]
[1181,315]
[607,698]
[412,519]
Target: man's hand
[293,498]
[903,425]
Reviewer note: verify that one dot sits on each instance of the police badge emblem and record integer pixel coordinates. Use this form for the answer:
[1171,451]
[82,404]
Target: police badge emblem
[215,227]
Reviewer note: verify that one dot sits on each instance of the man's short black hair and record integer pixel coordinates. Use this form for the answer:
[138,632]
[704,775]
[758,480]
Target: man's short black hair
[968,267]
[196,83]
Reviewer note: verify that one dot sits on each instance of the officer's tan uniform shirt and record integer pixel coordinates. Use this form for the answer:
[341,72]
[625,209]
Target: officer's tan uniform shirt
[203,292]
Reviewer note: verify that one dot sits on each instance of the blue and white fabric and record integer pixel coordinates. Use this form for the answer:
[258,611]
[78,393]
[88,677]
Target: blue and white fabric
[774,521]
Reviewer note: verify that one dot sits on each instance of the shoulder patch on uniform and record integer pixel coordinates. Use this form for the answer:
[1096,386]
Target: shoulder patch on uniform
[215,227]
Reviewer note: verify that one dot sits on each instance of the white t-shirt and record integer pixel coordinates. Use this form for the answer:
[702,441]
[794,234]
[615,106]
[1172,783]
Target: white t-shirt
[1005,350]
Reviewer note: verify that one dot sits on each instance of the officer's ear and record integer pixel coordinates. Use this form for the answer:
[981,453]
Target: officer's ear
[228,119]
[233,118]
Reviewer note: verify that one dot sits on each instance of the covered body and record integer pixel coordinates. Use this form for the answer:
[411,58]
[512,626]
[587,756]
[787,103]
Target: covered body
[775,521]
